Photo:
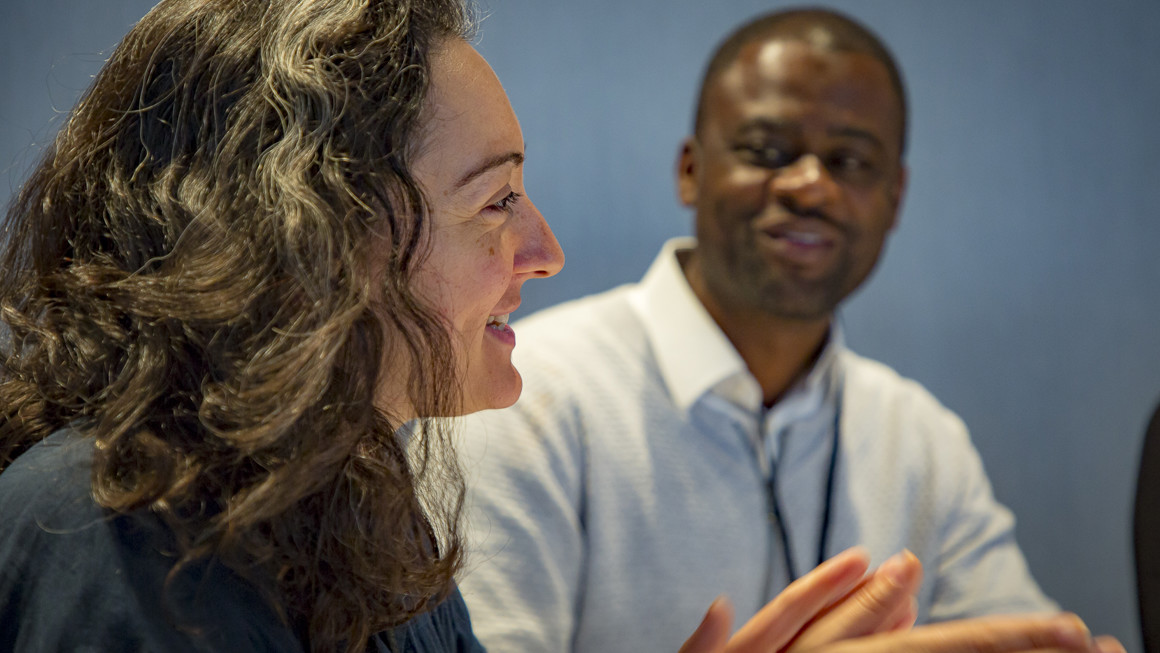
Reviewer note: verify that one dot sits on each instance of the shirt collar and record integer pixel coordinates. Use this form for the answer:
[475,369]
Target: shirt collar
[694,355]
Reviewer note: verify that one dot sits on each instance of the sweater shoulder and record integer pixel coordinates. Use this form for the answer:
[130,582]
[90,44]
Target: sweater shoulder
[595,335]
[897,413]
[881,384]
[585,319]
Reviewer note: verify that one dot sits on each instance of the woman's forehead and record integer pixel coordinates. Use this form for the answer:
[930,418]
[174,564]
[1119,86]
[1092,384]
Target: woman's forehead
[469,118]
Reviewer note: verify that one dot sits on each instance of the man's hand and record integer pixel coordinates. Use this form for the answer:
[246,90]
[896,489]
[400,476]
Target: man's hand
[836,601]
[1015,634]
[837,609]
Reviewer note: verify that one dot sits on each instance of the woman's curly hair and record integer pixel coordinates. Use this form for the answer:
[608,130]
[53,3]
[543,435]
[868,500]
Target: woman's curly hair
[187,279]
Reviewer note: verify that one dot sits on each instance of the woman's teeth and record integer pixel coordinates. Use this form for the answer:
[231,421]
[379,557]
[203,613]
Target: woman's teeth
[497,320]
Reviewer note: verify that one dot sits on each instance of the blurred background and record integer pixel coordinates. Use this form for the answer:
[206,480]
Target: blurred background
[1022,286]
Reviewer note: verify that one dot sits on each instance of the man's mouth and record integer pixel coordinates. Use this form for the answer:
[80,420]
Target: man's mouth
[802,234]
[803,238]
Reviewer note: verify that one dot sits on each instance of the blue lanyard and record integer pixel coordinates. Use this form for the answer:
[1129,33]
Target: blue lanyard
[827,506]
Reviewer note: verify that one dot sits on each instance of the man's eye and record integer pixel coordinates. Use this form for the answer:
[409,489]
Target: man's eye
[765,155]
[847,163]
[850,165]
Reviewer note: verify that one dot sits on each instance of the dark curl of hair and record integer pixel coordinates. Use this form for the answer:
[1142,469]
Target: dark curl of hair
[187,279]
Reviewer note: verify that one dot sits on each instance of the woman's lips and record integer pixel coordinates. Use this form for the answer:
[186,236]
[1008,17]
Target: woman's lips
[497,326]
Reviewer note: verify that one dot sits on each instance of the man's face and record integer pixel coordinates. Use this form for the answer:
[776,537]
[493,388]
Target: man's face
[796,178]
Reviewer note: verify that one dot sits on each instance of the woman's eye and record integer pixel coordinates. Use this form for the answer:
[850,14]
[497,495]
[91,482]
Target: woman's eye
[507,203]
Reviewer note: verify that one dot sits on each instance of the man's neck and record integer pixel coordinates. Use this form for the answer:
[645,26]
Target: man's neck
[777,350]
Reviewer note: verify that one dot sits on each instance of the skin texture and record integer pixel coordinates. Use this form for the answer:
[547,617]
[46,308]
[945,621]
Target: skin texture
[796,178]
[487,237]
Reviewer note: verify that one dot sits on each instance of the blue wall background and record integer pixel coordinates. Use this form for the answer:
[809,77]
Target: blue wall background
[1021,286]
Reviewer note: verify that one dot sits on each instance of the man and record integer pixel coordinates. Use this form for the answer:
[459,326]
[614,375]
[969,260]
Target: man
[705,431]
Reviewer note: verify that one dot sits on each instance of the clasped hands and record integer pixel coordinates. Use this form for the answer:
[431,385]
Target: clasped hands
[838,608]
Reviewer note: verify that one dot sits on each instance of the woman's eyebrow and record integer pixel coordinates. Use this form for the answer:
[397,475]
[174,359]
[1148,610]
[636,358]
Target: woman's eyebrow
[494,162]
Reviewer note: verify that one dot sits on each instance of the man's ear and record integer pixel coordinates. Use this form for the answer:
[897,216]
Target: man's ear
[687,170]
[899,192]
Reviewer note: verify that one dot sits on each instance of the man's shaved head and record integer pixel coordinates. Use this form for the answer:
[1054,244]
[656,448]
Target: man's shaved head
[821,28]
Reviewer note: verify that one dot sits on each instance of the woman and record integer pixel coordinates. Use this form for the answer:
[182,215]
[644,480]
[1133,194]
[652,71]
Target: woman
[272,235]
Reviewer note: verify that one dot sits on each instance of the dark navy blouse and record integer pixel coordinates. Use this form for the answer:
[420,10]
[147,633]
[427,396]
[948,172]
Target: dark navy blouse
[75,577]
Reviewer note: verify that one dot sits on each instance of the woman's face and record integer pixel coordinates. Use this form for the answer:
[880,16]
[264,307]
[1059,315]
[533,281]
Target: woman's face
[487,237]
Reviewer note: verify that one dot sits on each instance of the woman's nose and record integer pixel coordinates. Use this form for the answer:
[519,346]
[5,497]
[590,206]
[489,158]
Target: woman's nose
[539,253]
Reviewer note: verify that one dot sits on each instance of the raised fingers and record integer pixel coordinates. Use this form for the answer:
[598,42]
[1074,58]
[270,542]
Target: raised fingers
[882,602]
[712,634]
[1022,634]
[780,621]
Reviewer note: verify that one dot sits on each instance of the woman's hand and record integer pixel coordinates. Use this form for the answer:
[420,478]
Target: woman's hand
[835,609]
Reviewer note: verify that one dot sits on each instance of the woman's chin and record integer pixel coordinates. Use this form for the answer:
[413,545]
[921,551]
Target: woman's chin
[499,391]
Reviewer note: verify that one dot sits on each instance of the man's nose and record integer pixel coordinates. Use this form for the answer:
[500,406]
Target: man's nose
[805,184]
[539,253]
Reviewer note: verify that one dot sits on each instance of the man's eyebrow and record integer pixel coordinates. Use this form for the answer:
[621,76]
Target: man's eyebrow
[490,164]
[860,134]
[764,124]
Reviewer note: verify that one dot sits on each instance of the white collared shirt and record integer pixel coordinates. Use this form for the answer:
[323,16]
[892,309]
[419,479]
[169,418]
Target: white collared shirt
[629,486]
[700,366]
